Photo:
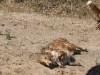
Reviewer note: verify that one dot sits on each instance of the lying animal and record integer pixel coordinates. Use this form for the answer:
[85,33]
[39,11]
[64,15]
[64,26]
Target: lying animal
[61,52]
[55,59]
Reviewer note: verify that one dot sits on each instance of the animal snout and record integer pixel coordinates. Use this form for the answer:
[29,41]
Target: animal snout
[50,64]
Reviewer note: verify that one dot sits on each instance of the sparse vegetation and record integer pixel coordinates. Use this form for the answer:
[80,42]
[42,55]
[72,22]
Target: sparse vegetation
[97,63]
[8,31]
[0,33]
[70,8]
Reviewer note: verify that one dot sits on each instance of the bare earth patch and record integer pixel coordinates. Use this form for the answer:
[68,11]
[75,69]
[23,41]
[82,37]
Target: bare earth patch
[30,32]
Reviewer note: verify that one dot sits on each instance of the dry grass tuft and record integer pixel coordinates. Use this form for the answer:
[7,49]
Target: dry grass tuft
[70,8]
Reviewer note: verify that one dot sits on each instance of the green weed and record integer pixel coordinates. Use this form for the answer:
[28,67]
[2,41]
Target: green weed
[96,61]
[8,32]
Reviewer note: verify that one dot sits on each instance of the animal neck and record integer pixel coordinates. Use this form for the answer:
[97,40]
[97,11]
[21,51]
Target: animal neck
[94,8]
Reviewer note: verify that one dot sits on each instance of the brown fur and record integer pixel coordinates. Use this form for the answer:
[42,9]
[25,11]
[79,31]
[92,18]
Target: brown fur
[56,44]
[54,60]
[63,44]
[61,50]
[98,25]
[44,57]
[95,9]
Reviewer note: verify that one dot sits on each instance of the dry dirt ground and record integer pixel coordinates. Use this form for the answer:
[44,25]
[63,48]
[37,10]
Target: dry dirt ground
[31,32]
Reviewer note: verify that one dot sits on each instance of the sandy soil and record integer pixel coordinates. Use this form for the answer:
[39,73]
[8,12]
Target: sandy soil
[31,32]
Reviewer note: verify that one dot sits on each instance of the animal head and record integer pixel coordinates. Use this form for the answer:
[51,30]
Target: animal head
[46,60]
[89,2]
